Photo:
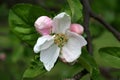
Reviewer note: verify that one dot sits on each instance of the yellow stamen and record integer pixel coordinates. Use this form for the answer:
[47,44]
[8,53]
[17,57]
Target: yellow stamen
[60,39]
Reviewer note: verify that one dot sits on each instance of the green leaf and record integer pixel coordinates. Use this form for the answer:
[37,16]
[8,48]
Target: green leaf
[21,21]
[76,9]
[35,69]
[18,48]
[89,64]
[110,56]
[63,70]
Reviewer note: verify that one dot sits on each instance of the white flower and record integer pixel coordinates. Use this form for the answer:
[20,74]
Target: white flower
[64,43]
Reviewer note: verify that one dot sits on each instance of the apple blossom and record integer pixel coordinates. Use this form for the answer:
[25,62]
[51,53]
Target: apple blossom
[64,43]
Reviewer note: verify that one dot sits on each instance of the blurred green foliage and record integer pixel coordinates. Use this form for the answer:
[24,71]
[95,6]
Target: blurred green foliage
[3,12]
[19,55]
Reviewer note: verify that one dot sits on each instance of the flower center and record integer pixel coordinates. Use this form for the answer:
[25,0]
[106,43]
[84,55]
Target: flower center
[60,39]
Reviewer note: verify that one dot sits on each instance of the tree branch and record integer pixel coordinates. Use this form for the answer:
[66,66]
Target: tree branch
[87,14]
[106,25]
[99,19]
[79,75]
[86,26]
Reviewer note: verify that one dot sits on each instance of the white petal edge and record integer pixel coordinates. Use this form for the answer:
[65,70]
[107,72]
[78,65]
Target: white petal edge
[48,43]
[72,50]
[61,23]
[49,56]
[40,44]
[81,39]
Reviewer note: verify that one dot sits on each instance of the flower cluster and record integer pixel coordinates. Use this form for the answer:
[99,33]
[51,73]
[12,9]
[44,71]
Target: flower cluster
[59,38]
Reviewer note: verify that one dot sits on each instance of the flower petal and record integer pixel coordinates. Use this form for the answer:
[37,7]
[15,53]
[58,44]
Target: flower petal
[47,44]
[72,49]
[78,37]
[41,43]
[49,56]
[61,23]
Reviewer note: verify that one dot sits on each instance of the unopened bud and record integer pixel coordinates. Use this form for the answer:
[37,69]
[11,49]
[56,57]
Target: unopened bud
[2,56]
[43,25]
[77,28]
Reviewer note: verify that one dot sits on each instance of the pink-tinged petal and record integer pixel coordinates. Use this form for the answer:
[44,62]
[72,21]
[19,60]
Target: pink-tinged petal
[72,49]
[62,58]
[43,25]
[77,28]
[49,56]
[61,23]
[45,31]
[43,43]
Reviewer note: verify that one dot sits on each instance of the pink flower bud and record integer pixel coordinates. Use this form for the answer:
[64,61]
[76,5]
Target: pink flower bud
[43,25]
[77,28]
[2,56]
